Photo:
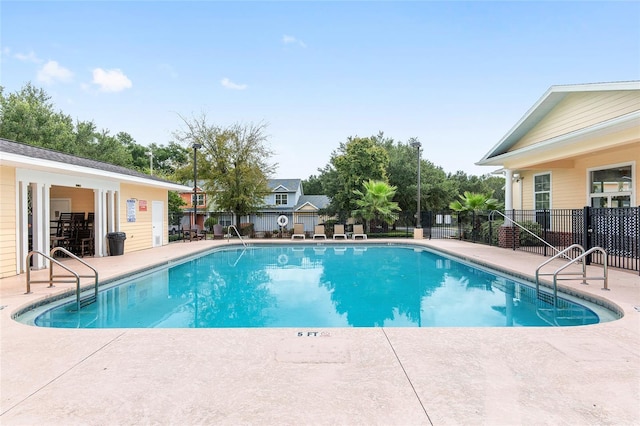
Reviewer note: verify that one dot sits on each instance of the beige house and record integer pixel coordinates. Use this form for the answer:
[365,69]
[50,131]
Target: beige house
[579,145]
[37,185]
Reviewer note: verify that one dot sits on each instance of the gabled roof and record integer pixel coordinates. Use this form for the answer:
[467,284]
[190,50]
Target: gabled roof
[32,157]
[317,201]
[284,185]
[552,97]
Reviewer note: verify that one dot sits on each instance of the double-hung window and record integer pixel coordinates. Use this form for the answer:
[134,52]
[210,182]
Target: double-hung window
[611,187]
[281,199]
[542,198]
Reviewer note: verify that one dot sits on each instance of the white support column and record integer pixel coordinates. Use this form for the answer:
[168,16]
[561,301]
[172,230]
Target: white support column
[22,226]
[38,230]
[110,212]
[99,221]
[508,195]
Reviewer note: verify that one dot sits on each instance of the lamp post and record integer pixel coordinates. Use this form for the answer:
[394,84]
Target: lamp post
[150,154]
[416,144]
[196,146]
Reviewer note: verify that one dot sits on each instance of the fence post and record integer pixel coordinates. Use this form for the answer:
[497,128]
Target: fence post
[586,232]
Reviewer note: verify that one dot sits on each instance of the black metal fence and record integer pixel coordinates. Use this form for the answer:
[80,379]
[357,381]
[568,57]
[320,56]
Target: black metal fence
[616,230]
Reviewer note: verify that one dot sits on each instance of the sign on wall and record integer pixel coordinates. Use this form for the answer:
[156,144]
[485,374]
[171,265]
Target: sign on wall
[142,205]
[131,210]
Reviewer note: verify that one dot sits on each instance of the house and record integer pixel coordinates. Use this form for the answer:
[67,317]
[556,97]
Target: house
[286,197]
[201,206]
[578,145]
[38,185]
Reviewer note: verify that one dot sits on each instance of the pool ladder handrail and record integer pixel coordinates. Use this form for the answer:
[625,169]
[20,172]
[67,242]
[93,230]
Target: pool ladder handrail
[571,261]
[491,213]
[237,232]
[56,278]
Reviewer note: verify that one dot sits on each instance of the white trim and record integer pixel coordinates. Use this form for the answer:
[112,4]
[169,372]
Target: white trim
[617,124]
[38,165]
[533,189]
[634,190]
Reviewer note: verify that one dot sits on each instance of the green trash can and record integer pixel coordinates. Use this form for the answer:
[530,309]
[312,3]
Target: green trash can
[116,243]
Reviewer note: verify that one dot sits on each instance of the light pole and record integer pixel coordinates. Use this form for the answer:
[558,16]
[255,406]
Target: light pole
[150,154]
[416,144]
[196,146]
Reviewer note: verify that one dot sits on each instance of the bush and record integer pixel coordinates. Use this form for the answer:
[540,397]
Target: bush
[211,220]
[247,230]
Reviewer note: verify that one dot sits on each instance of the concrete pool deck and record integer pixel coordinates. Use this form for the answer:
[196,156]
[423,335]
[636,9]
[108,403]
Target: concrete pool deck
[587,375]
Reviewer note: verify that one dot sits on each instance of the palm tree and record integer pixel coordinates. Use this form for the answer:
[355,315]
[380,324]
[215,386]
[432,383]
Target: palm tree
[375,202]
[473,201]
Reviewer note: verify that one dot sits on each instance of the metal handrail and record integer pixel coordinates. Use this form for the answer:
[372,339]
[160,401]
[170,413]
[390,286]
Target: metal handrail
[237,232]
[584,254]
[524,229]
[55,278]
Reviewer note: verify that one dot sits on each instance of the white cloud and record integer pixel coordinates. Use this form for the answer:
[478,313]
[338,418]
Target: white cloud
[231,85]
[287,39]
[52,72]
[111,80]
[28,57]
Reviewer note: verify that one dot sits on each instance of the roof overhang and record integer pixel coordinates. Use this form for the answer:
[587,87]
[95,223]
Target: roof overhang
[541,108]
[579,139]
[31,163]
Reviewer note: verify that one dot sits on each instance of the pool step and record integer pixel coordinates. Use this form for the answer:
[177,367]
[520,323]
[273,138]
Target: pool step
[87,301]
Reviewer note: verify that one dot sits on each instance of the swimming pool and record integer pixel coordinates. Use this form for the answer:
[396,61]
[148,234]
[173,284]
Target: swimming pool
[320,285]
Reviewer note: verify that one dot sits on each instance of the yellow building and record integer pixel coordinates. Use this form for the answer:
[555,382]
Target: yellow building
[38,185]
[579,145]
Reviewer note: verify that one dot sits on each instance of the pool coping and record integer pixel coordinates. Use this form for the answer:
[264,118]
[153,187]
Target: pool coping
[577,375]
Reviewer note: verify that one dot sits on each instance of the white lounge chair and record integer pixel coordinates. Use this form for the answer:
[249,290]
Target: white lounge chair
[338,232]
[298,231]
[358,232]
[318,232]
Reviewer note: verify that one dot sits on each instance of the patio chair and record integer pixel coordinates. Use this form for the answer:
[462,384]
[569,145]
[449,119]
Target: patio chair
[218,231]
[298,231]
[358,232]
[338,232]
[318,232]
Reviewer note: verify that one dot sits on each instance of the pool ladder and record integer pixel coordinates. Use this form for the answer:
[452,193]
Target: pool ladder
[582,274]
[74,277]
[237,233]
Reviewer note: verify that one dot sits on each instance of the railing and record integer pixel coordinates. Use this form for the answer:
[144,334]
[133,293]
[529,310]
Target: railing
[230,227]
[63,278]
[583,274]
[492,212]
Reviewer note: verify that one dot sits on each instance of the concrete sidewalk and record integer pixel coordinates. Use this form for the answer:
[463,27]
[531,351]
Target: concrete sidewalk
[400,376]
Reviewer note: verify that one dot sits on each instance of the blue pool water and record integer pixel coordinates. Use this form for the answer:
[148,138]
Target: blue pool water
[327,285]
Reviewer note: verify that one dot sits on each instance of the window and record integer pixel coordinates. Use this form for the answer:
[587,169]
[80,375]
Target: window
[281,199]
[611,187]
[200,199]
[542,199]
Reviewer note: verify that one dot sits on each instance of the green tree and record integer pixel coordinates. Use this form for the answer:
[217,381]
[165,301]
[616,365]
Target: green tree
[233,161]
[376,203]
[312,186]
[28,117]
[353,163]
[175,204]
[472,201]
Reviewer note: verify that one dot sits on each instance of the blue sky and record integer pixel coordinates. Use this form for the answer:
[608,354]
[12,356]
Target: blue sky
[456,75]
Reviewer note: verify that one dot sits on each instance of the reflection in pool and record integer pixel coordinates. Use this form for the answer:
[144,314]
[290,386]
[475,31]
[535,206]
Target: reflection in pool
[329,285]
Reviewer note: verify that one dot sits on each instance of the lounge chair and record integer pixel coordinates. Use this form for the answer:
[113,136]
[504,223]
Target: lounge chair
[338,232]
[298,231]
[218,232]
[318,232]
[358,232]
